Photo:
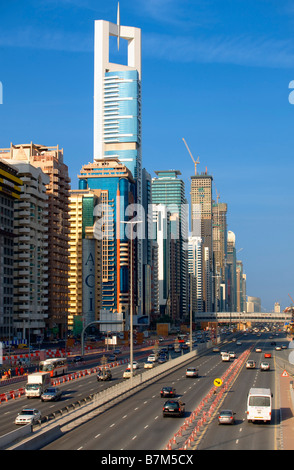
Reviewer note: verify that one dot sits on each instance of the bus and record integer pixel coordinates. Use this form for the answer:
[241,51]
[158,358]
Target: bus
[259,405]
[56,366]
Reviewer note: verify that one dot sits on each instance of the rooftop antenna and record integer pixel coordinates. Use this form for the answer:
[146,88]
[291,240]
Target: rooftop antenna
[195,162]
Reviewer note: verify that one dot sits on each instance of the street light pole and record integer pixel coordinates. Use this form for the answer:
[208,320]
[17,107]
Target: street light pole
[132,222]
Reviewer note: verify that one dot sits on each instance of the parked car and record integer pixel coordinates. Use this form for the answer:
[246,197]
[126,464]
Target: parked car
[167,392]
[28,416]
[173,408]
[51,394]
[103,375]
[226,417]
[191,372]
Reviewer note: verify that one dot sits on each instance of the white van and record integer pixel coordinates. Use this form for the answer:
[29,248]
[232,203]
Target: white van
[259,405]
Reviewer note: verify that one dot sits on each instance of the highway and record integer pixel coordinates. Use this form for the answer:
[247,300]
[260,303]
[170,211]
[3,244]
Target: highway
[136,423]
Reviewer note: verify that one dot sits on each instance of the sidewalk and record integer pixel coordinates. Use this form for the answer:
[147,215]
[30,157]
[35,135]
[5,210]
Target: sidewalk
[286,413]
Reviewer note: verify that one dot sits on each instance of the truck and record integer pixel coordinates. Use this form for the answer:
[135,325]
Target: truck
[37,384]
[259,405]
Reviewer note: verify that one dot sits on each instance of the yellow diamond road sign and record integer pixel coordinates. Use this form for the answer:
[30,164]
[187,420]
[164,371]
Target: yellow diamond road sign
[218,382]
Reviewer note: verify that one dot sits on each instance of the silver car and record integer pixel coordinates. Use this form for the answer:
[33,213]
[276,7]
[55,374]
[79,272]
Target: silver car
[226,417]
[28,416]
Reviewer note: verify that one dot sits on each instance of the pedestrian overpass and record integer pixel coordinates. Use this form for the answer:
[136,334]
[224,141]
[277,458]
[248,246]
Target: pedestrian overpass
[243,317]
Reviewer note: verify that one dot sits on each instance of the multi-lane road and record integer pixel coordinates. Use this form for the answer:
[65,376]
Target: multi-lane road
[136,423]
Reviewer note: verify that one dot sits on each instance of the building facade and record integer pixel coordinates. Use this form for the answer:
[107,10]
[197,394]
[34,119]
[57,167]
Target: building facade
[10,190]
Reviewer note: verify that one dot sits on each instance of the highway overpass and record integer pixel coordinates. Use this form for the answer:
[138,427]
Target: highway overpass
[243,317]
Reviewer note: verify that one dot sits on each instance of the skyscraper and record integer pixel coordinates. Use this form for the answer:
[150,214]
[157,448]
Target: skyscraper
[201,219]
[169,190]
[117,111]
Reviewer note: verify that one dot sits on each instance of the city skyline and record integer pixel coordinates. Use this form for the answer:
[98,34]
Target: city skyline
[229,98]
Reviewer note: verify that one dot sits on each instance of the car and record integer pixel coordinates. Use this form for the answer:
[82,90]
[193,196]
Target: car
[257,349]
[264,366]
[51,394]
[167,392]
[215,350]
[117,351]
[162,359]
[148,365]
[267,355]
[284,346]
[232,354]
[77,359]
[127,373]
[173,408]
[152,357]
[273,343]
[112,357]
[226,417]
[250,364]
[136,365]
[103,375]
[191,372]
[238,343]
[28,416]
[226,357]
[278,348]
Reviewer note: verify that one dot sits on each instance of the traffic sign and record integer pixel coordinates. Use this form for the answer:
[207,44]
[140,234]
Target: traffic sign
[218,382]
[285,374]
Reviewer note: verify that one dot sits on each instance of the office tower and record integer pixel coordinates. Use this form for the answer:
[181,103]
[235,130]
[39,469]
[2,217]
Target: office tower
[253,304]
[161,235]
[219,238]
[84,260]
[239,286]
[231,265]
[50,160]
[10,189]
[146,249]
[30,309]
[117,188]
[201,220]
[195,272]
[117,111]
[169,190]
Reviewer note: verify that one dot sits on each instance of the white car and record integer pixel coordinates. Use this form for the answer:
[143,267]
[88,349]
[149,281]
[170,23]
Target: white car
[192,372]
[232,354]
[149,365]
[127,373]
[28,416]
[152,358]
[226,357]
[264,366]
[136,365]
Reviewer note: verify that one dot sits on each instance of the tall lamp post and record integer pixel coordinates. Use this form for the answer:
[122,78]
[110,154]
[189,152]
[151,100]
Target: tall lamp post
[131,222]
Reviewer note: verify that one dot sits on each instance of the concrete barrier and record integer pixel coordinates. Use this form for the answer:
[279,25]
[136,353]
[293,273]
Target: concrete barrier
[13,436]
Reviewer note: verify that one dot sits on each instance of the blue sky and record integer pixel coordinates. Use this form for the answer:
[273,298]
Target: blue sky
[215,72]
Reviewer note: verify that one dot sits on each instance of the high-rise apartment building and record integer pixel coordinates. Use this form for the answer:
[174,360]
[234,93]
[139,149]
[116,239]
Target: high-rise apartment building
[10,189]
[50,161]
[117,112]
[30,285]
[231,265]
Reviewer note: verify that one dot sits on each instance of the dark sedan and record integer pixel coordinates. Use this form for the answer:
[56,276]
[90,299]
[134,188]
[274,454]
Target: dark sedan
[168,392]
[173,408]
[51,394]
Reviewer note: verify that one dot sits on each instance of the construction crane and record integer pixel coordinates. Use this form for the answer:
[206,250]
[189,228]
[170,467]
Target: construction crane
[217,193]
[195,162]
[291,298]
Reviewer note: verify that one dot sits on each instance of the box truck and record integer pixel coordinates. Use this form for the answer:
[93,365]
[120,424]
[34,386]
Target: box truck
[37,384]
